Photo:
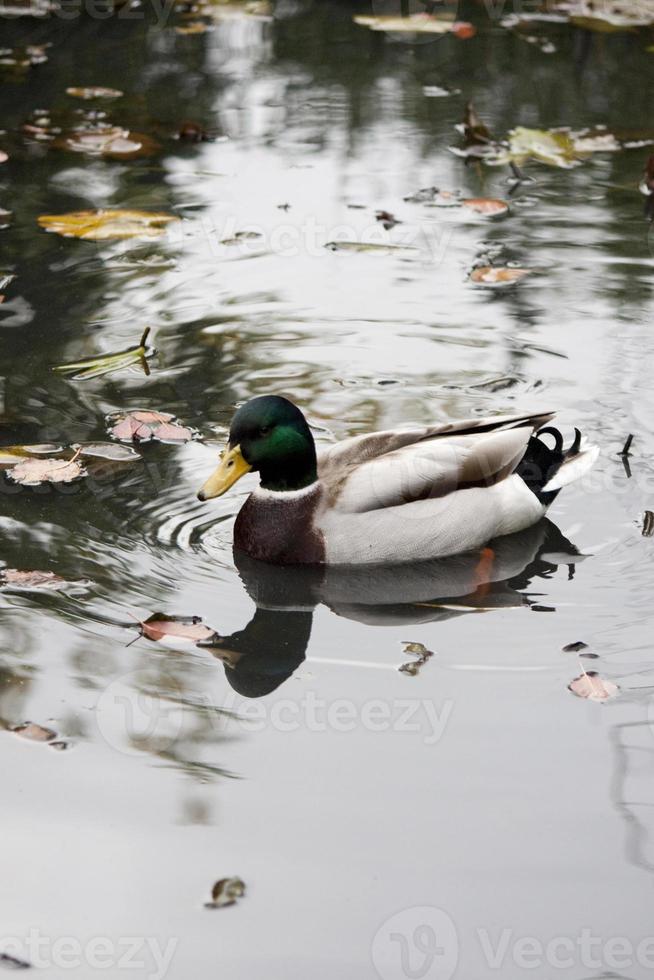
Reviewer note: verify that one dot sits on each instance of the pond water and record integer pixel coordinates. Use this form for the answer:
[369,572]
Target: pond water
[386,823]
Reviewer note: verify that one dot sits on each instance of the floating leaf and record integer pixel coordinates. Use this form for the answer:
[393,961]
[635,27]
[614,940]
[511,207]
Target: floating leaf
[94,92]
[13,963]
[33,472]
[554,147]
[494,276]
[142,426]
[225,892]
[422,654]
[9,455]
[15,580]
[96,367]
[416,24]
[107,141]
[102,225]
[35,733]
[371,247]
[489,207]
[107,450]
[190,628]
[593,687]
[575,647]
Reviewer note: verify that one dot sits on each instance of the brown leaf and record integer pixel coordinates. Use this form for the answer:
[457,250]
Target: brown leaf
[31,579]
[33,732]
[142,426]
[226,892]
[32,472]
[490,275]
[190,628]
[488,206]
[417,650]
[592,687]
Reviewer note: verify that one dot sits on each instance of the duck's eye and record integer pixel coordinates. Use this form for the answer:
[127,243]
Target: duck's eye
[264,430]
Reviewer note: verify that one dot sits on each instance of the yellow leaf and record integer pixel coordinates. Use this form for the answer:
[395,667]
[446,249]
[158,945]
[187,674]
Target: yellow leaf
[102,225]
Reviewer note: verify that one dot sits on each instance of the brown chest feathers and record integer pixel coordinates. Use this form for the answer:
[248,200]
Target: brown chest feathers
[280,528]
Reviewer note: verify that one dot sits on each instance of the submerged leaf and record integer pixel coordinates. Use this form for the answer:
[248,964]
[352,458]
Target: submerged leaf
[592,687]
[225,892]
[103,225]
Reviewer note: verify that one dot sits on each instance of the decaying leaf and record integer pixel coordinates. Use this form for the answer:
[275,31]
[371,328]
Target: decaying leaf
[225,892]
[592,687]
[103,225]
[575,647]
[38,733]
[143,426]
[421,23]
[34,472]
[19,581]
[33,732]
[113,142]
[94,92]
[96,367]
[489,207]
[241,236]
[186,628]
[422,654]
[497,276]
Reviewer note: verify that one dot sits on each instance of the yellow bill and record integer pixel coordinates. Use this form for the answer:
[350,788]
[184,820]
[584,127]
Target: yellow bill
[232,467]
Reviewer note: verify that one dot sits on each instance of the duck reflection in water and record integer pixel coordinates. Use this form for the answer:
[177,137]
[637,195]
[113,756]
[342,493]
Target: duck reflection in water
[272,646]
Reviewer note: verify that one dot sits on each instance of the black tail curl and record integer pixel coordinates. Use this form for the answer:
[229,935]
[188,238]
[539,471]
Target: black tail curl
[540,462]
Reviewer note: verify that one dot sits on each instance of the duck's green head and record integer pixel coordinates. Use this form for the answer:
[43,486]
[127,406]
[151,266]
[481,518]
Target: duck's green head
[269,435]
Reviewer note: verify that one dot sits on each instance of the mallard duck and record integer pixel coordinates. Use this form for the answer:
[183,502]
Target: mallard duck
[402,495]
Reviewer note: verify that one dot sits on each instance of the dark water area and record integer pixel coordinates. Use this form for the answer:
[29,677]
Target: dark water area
[387,823]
